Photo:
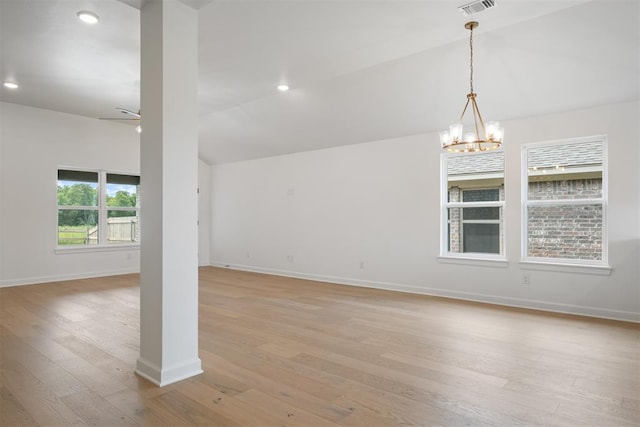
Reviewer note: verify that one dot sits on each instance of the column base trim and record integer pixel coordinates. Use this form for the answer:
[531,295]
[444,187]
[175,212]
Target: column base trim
[170,375]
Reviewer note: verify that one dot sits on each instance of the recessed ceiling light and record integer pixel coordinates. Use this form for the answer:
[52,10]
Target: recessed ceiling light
[88,17]
[10,85]
[283,88]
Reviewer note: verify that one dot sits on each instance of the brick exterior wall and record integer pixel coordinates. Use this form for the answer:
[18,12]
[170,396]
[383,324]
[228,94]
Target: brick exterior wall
[569,232]
[566,232]
[565,189]
[455,195]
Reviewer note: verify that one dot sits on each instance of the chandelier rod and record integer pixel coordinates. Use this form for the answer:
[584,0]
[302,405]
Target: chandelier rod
[471,25]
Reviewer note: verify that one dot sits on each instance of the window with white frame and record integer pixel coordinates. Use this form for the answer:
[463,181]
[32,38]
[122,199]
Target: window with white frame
[473,205]
[564,190]
[97,208]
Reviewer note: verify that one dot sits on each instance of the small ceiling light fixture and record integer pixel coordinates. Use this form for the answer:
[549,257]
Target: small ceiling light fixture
[10,85]
[485,137]
[88,17]
[283,88]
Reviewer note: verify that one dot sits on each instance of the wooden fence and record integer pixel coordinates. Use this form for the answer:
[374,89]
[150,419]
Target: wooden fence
[122,229]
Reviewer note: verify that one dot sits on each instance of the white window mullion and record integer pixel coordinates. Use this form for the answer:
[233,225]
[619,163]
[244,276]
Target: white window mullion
[565,202]
[488,204]
[445,221]
[102,204]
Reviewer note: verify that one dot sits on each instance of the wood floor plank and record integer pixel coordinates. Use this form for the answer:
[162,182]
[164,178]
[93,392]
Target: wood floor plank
[94,410]
[311,396]
[192,411]
[284,351]
[449,372]
[91,376]
[260,370]
[30,363]
[144,411]
[237,411]
[441,397]
[12,413]
[35,396]
[285,412]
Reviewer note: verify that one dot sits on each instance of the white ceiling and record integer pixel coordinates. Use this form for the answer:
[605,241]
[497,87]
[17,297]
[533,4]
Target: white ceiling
[358,70]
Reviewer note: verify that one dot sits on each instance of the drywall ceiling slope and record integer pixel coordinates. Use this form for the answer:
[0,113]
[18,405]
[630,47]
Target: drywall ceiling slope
[358,70]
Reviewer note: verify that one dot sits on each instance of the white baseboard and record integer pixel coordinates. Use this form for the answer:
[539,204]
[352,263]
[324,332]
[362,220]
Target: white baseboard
[627,316]
[63,277]
[163,377]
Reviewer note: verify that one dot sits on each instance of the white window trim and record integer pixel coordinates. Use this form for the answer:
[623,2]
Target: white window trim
[565,264]
[470,258]
[102,209]
[113,247]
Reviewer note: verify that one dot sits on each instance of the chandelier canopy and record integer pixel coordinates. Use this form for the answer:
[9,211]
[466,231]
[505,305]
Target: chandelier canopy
[484,136]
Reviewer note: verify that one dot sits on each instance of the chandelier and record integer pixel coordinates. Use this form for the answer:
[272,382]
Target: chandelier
[484,136]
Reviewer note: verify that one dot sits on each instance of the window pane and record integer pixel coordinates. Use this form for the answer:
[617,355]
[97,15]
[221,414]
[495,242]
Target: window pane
[565,171]
[79,176]
[477,237]
[77,227]
[484,195]
[123,226]
[482,238]
[114,178]
[481,213]
[567,232]
[75,193]
[122,190]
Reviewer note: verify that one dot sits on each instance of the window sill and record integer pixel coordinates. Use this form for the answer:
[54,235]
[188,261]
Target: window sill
[474,261]
[601,270]
[64,250]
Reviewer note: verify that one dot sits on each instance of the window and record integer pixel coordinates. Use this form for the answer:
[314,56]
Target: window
[97,208]
[473,203]
[564,193]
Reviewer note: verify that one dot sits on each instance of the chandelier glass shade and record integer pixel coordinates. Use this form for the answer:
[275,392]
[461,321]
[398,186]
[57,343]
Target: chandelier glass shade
[483,136]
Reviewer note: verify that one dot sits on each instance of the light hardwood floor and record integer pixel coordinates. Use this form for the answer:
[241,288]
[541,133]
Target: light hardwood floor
[280,351]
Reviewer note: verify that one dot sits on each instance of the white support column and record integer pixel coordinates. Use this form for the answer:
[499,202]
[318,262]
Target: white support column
[169,179]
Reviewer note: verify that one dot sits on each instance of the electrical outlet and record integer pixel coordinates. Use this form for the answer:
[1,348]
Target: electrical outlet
[526,279]
[361,265]
[289,258]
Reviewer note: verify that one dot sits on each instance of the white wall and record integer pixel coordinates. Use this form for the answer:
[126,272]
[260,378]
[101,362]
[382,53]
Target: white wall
[368,215]
[204,212]
[33,144]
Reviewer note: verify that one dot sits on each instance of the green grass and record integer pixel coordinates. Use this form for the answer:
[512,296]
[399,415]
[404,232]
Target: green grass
[68,235]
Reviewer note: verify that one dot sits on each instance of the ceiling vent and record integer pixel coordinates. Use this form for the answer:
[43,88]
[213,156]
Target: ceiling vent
[476,6]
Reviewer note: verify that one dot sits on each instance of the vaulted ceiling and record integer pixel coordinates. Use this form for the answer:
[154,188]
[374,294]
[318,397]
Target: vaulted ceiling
[358,70]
